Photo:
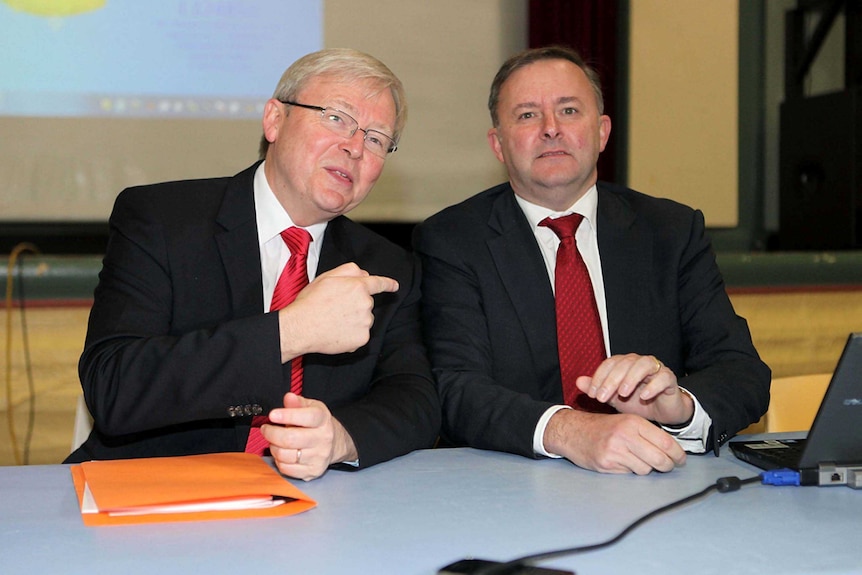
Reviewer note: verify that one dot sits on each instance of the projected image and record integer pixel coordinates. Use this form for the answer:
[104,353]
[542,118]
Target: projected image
[171,58]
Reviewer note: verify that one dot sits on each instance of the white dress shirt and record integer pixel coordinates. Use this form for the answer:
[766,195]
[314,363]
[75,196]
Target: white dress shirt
[272,219]
[693,437]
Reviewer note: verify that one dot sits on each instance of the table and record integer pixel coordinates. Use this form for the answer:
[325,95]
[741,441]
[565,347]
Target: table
[419,512]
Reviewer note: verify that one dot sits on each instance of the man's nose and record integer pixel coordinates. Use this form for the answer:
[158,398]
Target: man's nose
[355,144]
[550,127]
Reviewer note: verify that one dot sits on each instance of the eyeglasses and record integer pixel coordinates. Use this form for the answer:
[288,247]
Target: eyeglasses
[345,126]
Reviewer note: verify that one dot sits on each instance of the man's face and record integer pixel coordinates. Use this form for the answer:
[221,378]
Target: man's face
[315,173]
[550,132]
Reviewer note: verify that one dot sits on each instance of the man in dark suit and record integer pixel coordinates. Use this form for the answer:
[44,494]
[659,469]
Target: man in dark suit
[180,351]
[681,373]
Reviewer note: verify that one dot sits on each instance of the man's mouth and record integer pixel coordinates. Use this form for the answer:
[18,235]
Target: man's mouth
[340,174]
[553,153]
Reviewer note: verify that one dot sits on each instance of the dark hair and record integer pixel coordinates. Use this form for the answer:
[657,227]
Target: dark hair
[528,57]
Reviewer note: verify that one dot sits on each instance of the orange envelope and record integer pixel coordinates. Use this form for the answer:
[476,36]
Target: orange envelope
[160,481]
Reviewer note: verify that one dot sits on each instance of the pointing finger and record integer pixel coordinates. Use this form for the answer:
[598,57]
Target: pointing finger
[379,284]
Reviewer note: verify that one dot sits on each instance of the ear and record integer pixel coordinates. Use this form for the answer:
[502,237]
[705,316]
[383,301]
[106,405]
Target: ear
[273,114]
[496,145]
[604,131]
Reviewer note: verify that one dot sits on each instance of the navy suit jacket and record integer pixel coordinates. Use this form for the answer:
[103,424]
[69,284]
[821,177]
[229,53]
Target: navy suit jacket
[490,320]
[178,343]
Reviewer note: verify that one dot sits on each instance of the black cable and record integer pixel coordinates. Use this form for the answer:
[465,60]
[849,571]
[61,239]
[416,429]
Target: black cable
[10,404]
[722,485]
[28,364]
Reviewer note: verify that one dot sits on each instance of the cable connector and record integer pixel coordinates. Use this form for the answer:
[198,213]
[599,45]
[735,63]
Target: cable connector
[834,474]
[728,484]
[780,477]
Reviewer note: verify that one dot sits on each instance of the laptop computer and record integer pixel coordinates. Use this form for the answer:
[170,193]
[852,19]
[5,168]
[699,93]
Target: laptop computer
[836,434]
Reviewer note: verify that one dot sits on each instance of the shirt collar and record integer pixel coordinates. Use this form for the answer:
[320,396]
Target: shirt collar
[586,205]
[271,216]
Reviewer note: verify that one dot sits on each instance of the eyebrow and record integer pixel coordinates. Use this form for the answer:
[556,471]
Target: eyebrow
[344,106]
[562,100]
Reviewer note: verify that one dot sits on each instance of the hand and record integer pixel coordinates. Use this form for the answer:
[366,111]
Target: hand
[640,385]
[332,314]
[612,443]
[305,439]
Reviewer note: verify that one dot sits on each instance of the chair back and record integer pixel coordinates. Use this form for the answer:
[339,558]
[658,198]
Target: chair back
[794,401]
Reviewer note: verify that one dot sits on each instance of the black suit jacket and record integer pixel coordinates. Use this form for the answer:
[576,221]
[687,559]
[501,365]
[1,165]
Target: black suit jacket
[178,343]
[490,320]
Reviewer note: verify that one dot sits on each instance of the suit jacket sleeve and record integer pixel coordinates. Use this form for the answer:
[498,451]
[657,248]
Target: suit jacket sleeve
[168,343]
[178,343]
[681,312]
[489,321]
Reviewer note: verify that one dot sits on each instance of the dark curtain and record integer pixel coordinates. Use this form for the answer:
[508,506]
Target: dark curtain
[591,27]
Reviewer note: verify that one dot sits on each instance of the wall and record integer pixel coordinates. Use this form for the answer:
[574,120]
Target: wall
[683,106]
[446,53]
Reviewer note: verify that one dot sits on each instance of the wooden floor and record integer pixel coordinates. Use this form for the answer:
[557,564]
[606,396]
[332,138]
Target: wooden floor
[56,337]
[795,333]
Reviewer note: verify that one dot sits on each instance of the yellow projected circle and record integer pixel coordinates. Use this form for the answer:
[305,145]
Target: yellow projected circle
[55,7]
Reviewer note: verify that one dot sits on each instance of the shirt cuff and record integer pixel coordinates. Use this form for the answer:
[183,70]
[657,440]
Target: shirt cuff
[693,436]
[539,434]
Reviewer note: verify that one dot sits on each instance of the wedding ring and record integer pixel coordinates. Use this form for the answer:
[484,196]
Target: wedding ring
[658,365]
[298,456]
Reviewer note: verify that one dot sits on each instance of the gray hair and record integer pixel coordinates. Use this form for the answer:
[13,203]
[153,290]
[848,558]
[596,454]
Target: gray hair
[345,64]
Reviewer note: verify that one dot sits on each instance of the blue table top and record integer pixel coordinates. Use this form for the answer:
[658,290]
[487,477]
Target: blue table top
[422,511]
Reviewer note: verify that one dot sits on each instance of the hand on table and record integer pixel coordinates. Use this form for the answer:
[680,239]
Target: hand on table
[612,443]
[305,439]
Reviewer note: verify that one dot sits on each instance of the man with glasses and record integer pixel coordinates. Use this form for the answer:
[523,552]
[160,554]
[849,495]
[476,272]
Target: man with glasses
[205,334]
[647,360]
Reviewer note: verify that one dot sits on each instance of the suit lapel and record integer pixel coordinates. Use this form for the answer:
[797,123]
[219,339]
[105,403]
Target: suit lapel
[238,244]
[240,253]
[626,253]
[335,250]
[318,370]
[522,272]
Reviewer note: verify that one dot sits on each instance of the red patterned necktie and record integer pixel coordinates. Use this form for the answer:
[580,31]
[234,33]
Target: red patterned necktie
[290,283]
[580,342]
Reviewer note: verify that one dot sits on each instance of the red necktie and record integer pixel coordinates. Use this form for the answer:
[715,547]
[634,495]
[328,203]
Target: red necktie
[290,283]
[580,342]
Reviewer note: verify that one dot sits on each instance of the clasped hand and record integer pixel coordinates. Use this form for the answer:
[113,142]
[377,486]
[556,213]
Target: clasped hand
[642,390]
[641,385]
